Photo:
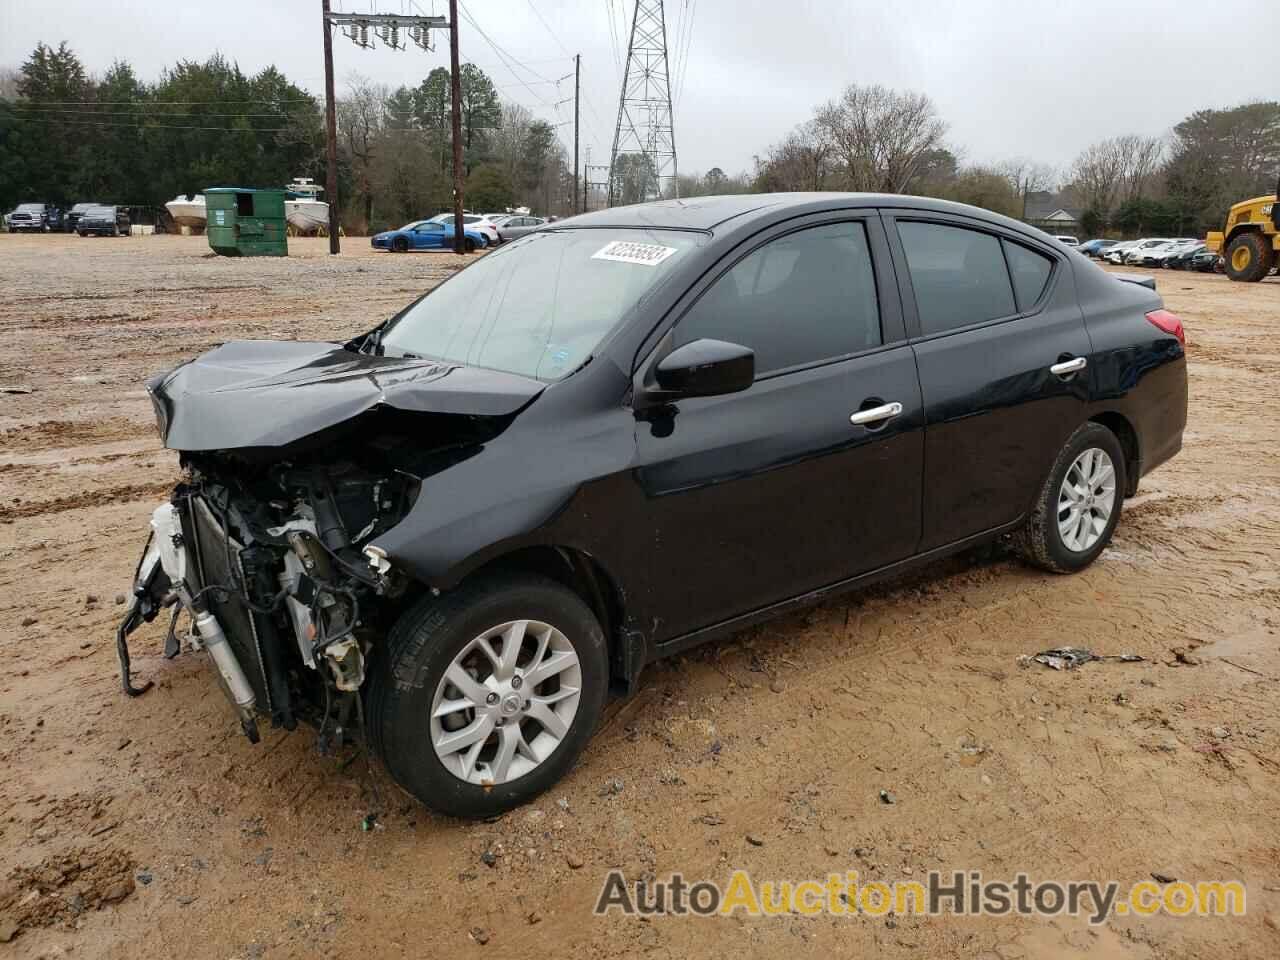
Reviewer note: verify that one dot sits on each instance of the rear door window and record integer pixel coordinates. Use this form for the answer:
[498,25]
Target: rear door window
[958,275]
[799,299]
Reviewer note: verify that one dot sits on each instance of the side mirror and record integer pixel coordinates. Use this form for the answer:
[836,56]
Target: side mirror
[706,368]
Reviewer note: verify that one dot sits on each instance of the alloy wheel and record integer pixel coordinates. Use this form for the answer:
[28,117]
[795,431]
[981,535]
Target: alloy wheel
[1086,499]
[506,702]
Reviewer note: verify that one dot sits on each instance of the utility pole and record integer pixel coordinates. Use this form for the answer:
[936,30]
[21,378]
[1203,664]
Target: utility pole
[386,27]
[331,126]
[455,93]
[577,109]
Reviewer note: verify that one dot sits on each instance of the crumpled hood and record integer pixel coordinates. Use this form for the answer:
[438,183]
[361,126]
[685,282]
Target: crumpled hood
[268,393]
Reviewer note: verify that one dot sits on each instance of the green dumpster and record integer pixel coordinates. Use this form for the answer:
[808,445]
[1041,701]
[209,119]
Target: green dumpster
[246,223]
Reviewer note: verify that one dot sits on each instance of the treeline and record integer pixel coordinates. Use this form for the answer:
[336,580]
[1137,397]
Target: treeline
[397,147]
[877,139]
[67,137]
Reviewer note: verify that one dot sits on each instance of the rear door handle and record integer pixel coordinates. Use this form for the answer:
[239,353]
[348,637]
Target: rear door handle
[883,412]
[1068,367]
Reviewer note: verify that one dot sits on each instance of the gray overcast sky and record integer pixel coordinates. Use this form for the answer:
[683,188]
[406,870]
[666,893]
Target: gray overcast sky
[1037,78]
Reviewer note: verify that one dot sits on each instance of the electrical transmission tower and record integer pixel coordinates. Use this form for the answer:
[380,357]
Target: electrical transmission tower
[643,163]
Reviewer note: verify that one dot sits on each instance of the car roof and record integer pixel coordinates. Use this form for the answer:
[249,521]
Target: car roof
[707,213]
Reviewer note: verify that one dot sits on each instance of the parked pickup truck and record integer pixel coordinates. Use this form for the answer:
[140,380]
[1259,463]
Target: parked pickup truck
[39,217]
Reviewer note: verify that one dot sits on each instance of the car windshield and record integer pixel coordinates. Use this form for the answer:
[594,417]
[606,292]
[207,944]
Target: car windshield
[540,306]
[415,224]
[29,208]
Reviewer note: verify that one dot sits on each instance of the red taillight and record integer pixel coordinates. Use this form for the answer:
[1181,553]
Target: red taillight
[1169,323]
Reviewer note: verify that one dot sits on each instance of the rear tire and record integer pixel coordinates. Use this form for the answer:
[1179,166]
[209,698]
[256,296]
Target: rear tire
[1041,540]
[1249,257]
[431,639]
[469,245]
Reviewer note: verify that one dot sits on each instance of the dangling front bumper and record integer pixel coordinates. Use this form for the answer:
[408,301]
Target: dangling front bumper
[167,575]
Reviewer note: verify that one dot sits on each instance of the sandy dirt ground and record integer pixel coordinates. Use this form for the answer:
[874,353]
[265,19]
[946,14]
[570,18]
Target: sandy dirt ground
[151,827]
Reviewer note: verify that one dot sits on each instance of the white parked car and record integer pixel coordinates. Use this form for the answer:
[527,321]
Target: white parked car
[476,222]
[1116,253]
[1070,241]
[1147,252]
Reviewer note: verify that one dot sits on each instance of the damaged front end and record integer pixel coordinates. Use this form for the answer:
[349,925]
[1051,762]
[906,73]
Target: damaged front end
[268,563]
[268,548]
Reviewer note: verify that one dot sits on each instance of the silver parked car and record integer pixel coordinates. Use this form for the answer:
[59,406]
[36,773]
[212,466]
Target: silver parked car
[517,227]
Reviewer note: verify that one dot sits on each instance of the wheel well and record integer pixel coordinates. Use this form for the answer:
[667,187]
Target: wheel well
[581,573]
[1240,229]
[1118,424]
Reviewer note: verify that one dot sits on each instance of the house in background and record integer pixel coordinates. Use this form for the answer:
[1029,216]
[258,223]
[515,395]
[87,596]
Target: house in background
[1051,212]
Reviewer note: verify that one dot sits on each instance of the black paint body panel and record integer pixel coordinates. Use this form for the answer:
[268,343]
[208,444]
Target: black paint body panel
[709,513]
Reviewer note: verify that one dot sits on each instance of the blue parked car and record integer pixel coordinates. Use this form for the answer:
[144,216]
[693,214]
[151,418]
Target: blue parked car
[1096,248]
[426,235]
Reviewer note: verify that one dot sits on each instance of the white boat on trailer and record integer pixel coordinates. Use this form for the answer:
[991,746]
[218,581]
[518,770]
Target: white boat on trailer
[188,210]
[302,208]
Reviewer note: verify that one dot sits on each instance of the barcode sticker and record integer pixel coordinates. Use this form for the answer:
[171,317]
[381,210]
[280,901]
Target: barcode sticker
[629,251]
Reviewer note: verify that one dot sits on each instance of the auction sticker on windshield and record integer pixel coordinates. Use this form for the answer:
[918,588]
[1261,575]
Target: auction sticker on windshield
[629,251]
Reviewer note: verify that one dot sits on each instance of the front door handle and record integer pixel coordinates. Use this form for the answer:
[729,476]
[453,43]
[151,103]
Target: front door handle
[882,412]
[1068,367]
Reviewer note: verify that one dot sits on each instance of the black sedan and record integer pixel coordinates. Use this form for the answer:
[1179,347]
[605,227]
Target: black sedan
[629,433]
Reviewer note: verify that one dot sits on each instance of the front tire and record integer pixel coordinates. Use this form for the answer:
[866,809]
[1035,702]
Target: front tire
[1078,507]
[1249,257]
[486,695]
[400,245]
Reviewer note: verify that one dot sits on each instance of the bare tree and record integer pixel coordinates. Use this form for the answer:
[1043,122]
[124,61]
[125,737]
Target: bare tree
[1026,177]
[361,118]
[1140,159]
[880,135]
[802,161]
[1097,174]
[509,138]
[9,78]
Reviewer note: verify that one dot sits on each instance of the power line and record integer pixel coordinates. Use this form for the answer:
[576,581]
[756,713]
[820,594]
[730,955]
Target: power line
[109,113]
[679,45]
[163,103]
[613,39]
[688,42]
[153,126]
[503,56]
[547,26]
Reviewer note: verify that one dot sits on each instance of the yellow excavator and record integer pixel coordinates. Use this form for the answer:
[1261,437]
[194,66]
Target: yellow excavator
[1250,240]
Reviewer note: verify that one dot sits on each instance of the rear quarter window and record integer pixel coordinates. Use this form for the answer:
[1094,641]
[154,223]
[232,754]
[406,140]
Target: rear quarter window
[1030,272]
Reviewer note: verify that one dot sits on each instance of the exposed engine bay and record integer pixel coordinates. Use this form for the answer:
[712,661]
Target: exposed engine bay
[268,550]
